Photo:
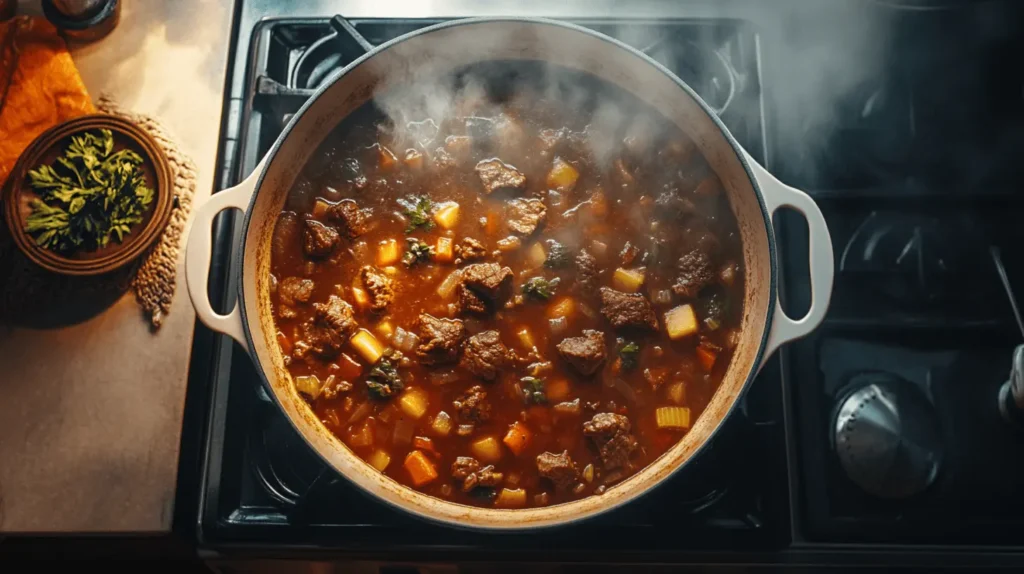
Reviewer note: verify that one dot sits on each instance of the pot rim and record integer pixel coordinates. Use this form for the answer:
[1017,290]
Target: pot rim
[566,519]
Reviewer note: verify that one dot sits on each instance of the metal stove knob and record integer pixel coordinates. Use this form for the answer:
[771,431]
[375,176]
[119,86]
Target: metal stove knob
[887,439]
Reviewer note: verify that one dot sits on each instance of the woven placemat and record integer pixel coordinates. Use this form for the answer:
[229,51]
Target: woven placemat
[34,297]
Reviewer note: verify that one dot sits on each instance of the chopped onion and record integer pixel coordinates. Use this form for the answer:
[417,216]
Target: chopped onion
[568,408]
[443,377]
[404,340]
[587,311]
[558,326]
[623,388]
[598,248]
[447,287]
[662,297]
[360,413]
[404,429]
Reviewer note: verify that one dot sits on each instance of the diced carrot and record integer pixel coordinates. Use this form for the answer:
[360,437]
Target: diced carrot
[348,368]
[517,438]
[413,159]
[706,357]
[557,390]
[386,160]
[425,444]
[420,469]
[564,307]
[444,252]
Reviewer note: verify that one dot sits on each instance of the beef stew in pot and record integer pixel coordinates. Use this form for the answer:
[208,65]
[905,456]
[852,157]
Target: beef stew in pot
[517,303]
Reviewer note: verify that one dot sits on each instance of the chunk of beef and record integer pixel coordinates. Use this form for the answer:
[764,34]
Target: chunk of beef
[472,406]
[440,340]
[319,240]
[469,301]
[489,280]
[485,355]
[559,469]
[442,160]
[351,220]
[586,272]
[332,324]
[337,315]
[378,285]
[586,354]
[610,434]
[695,272]
[525,215]
[295,290]
[496,174]
[627,310]
[670,204]
[467,470]
[470,250]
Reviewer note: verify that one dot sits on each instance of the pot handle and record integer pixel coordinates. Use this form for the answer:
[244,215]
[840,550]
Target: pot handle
[822,261]
[199,250]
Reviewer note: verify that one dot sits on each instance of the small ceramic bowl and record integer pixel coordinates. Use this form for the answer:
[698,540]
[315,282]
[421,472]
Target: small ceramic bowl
[18,195]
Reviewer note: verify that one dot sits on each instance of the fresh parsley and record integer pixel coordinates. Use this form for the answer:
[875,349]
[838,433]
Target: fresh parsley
[533,390]
[540,288]
[384,380]
[416,252]
[89,196]
[629,354]
[418,210]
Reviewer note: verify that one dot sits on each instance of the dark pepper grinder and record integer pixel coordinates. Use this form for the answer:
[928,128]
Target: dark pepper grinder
[83,20]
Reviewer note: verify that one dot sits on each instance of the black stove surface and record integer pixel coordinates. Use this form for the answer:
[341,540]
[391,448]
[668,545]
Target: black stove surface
[917,182]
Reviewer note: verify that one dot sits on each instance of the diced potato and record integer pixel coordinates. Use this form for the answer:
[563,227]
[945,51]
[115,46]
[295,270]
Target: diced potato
[442,424]
[525,338]
[510,243]
[677,392]
[385,329]
[413,159]
[672,417]
[536,256]
[706,357]
[447,287]
[562,176]
[681,322]
[447,216]
[388,252]
[444,251]
[362,436]
[557,390]
[386,160]
[413,402]
[487,449]
[361,297]
[628,280]
[598,248]
[368,347]
[420,469]
[517,438]
[320,208]
[511,498]
[309,385]
[390,270]
[564,307]
[379,459]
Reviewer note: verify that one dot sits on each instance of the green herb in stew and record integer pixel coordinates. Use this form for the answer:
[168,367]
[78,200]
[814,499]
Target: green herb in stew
[629,354]
[416,252]
[540,288]
[384,380]
[418,210]
[533,390]
[558,255]
[89,196]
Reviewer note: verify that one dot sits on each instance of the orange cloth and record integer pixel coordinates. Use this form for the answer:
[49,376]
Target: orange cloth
[44,86]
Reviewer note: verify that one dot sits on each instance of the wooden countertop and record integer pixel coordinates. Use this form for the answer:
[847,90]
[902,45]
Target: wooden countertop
[91,415]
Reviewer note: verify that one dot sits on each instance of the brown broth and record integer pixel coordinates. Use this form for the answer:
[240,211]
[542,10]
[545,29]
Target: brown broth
[602,207]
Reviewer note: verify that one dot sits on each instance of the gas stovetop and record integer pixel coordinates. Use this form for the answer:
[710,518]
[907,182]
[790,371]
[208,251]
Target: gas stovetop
[882,428]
